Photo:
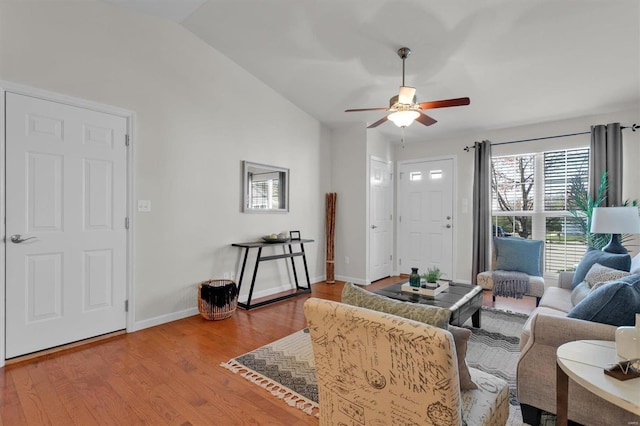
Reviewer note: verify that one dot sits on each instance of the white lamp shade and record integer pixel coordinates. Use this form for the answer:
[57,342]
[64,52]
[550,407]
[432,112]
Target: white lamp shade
[403,118]
[615,220]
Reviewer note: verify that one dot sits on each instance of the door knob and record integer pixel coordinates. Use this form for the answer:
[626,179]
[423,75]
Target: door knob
[373,227]
[448,226]
[17,239]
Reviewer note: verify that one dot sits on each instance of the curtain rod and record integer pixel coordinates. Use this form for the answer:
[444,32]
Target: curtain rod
[633,127]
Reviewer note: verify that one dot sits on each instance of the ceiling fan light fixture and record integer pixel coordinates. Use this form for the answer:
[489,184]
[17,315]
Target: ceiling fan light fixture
[404,108]
[403,118]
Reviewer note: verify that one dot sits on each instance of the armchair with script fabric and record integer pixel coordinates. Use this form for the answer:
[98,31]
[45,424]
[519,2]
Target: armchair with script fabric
[380,369]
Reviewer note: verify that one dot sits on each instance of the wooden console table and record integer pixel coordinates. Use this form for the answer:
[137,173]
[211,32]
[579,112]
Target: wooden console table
[259,245]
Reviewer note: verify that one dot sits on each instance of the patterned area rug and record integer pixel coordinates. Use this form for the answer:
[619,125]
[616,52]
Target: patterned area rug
[286,367]
[494,349]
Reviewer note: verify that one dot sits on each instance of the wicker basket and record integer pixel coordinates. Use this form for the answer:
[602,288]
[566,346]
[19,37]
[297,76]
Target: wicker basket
[217,299]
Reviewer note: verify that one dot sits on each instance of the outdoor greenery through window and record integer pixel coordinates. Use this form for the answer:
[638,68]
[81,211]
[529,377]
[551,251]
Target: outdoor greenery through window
[530,200]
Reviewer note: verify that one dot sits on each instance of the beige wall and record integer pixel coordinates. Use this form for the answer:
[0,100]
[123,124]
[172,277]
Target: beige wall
[197,116]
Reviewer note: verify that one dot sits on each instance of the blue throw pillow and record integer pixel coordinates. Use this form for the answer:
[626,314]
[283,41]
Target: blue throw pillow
[621,262]
[518,254]
[614,303]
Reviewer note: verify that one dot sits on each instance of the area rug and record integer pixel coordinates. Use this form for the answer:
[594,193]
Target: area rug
[286,367]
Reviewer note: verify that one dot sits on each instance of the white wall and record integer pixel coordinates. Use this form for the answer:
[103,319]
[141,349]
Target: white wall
[197,116]
[349,181]
[464,187]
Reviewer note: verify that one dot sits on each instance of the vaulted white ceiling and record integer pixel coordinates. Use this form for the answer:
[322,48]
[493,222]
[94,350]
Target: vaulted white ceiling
[520,62]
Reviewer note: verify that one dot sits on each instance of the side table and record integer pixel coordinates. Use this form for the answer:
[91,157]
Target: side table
[584,362]
[260,258]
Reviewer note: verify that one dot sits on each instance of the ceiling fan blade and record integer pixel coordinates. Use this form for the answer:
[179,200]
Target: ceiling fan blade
[406,94]
[425,119]
[377,123]
[444,103]
[366,109]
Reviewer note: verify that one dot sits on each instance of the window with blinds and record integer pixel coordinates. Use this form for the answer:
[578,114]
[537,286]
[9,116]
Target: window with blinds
[265,190]
[530,200]
[560,168]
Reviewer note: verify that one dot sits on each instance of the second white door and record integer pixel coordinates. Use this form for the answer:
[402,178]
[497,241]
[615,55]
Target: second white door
[425,216]
[66,252]
[380,226]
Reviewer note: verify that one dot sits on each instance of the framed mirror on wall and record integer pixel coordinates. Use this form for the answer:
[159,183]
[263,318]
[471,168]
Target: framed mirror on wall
[265,188]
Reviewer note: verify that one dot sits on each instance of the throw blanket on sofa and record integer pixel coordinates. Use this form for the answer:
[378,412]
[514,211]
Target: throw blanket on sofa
[510,284]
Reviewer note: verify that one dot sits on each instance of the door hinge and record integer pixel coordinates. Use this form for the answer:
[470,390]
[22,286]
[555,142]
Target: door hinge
[126,140]
[126,223]
[400,219]
[400,262]
[126,305]
[390,257]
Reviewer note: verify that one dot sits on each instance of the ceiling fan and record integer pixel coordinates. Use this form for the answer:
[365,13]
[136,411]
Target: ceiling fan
[403,106]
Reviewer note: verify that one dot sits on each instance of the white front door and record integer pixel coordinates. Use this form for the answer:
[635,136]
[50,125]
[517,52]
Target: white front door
[425,216]
[66,254]
[380,220]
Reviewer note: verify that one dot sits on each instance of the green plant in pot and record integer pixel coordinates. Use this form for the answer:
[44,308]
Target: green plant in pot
[432,275]
[581,207]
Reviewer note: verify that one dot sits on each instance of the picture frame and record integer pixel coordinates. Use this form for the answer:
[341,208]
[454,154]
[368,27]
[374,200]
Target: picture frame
[295,235]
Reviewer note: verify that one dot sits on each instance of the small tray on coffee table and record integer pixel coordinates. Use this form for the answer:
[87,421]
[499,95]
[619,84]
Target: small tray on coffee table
[423,291]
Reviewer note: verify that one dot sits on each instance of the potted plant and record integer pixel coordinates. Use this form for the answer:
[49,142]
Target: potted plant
[432,276]
[581,207]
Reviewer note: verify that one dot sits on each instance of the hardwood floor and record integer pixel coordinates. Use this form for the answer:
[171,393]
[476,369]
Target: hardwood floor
[167,374]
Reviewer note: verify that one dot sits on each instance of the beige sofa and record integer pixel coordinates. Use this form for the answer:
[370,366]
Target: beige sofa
[547,329]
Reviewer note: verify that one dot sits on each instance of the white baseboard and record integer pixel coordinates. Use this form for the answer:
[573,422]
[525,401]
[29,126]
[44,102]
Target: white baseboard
[163,319]
[351,280]
[263,293]
[174,316]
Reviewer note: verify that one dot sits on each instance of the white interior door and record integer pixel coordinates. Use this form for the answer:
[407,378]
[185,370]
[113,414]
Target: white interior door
[380,249]
[425,216]
[66,192]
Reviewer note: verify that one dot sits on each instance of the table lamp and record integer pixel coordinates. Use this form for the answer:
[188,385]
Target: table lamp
[615,221]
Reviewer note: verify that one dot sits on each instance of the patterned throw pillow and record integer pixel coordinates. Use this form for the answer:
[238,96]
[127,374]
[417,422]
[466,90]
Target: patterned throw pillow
[622,262]
[600,273]
[432,315]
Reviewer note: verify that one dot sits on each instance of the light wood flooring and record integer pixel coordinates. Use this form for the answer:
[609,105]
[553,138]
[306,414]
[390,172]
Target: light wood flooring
[169,374]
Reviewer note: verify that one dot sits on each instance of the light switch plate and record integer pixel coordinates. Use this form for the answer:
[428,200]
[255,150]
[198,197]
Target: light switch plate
[144,205]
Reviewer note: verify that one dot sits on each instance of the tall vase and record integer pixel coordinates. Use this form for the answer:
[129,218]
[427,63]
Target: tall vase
[628,340]
[414,278]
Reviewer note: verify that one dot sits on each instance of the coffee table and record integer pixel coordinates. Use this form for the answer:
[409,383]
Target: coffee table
[463,300]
